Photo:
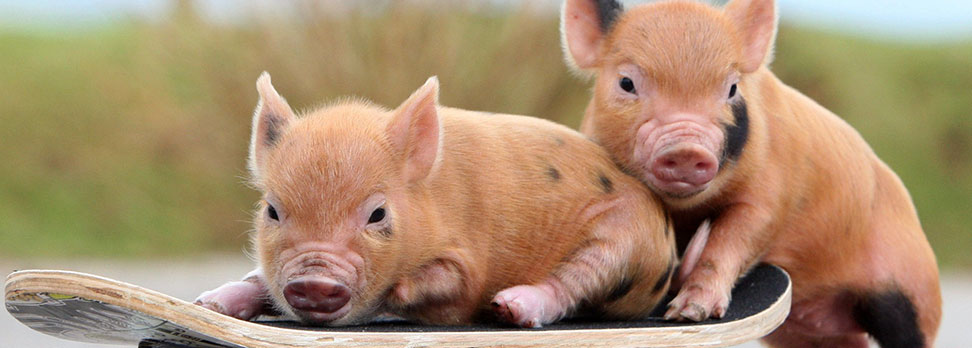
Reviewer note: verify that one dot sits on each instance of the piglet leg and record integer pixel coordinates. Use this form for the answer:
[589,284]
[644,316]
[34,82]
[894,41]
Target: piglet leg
[581,277]
[245,299]
[737,239]
[584,276]
[692,254]
[531,305]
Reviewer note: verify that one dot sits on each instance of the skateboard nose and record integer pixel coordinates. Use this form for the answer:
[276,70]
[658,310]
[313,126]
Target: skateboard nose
[316,294]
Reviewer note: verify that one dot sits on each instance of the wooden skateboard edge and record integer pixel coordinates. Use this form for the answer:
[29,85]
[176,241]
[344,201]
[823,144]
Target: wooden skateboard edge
[250,334]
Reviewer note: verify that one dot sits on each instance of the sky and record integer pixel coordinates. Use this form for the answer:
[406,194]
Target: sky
[916,19]
[912,20]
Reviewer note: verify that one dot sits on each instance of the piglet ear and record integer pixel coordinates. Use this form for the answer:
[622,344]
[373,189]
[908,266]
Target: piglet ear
[583,25]
[271,118]
[415,131]
[755,22]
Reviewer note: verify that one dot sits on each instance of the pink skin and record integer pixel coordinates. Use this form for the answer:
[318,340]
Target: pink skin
[318,298]
[245,299]
[696,303]
[677,143]
[824,321]
[825,316]
[530,305]
[678,153]
[692,254]
[318,280]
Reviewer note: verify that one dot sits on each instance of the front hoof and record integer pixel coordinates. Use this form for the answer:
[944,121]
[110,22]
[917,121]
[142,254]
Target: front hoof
[695,303]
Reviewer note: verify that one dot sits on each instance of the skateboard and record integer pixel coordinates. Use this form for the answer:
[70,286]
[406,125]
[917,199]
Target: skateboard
[88,308]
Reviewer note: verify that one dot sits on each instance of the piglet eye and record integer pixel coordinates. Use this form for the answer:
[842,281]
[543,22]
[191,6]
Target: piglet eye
[627,85]
[732,91]
[272,212]
[377,215]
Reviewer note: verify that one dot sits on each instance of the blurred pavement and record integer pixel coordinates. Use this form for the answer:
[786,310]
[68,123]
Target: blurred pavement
[188,277]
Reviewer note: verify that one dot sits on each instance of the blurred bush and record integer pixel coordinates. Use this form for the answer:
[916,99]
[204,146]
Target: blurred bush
[130,140]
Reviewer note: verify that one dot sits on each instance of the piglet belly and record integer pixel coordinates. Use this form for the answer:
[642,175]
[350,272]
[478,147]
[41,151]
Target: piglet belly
[828,316]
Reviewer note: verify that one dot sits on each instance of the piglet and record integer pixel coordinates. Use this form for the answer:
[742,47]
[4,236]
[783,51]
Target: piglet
[683,99]
[442,216]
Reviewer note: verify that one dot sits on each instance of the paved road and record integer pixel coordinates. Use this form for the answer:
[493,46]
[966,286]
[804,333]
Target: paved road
[187,278]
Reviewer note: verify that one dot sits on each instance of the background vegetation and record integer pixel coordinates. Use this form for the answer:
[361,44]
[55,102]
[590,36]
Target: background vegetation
[130,139]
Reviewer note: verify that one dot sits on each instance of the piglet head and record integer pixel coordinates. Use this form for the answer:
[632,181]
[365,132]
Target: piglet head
[335,224]
[671,80]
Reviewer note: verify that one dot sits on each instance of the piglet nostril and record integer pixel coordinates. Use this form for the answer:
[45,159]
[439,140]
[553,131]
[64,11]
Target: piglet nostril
[316,294]
[687,163]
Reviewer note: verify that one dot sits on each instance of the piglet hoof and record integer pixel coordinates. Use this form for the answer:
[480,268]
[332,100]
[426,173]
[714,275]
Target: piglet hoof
[695,303]
[242,300]
[527,306]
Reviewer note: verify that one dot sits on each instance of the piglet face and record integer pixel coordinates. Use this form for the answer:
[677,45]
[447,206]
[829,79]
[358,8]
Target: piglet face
[325,223]
[676,143]
[321,261]
[329,232]
[326,274]
[671,78]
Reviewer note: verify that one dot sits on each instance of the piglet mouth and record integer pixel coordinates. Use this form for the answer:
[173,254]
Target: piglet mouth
[676,189]
[321,318]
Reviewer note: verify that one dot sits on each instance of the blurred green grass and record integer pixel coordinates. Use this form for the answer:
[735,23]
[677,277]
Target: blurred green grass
[130,140]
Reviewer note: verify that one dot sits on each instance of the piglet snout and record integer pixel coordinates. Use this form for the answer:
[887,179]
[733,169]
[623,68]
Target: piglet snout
[684,167]
[316,294]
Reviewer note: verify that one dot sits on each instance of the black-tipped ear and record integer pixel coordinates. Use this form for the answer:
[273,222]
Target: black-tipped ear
[608,12]
[583,24]
[271,118]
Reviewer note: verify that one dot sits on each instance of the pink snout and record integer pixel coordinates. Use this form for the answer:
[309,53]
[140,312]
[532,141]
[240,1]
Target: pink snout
[317,295]
[684,168]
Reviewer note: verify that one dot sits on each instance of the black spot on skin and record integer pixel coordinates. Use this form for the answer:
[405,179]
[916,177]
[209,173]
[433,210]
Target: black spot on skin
[660,283]
[890,318]
[272,130]
[608,12]
[553,173]
[606,185]
[559,141]
[623,288]
[736,135]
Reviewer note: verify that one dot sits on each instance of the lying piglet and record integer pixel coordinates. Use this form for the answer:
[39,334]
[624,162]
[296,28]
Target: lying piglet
[442,216]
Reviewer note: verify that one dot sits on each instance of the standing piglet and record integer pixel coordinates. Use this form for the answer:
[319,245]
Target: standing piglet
[442,216]
[684,100]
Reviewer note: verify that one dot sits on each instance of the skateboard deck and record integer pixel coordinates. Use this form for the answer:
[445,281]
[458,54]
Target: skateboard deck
[88,308]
